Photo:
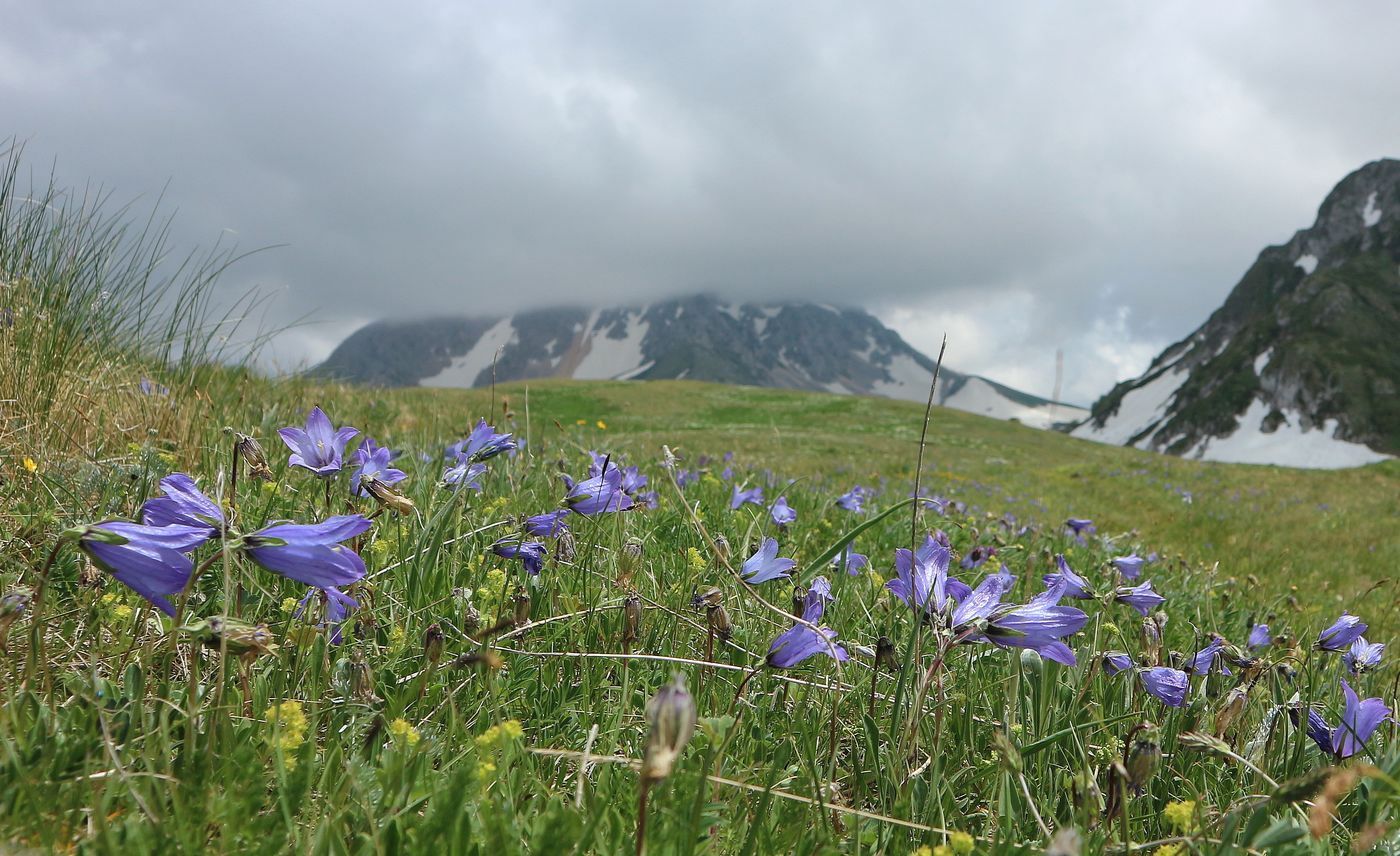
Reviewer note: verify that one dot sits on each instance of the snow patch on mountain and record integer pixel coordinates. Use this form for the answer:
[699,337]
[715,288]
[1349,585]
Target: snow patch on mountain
[1289,444]
[1308,262]
[464,370]
[1139,411]
[1371,215]
[610,357]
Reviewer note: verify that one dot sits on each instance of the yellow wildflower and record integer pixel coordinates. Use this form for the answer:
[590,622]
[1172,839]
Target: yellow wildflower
[694,560]
[1110,627]
[602,425]
[398,639]
[287,722]
[30,465]
[380,548]
[168,458]
[1170,850]
[924,851]
[581,422]
[121,612]
[403,732]
[1181,815]
[961,843]
[498,735]
[289,604]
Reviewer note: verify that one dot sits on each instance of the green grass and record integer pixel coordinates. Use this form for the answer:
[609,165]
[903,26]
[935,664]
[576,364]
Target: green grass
[120,732]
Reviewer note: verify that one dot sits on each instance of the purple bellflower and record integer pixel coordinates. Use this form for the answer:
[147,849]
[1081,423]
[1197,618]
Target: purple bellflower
[1360,719]
[150,560]
[1130,566]
[976,556]
[601,494]
[921,578]
[1165,684]
[319,447]
[686,478]
[1139,597]
[1204,659]
[854,562]
[1041,624]
[852,500]
[1079,527]
[765,565]
[1116,661]
[1363,656]
[1259,636]
[310,553]
[1341,634]
[463,474]
[337,609]
[531,553]
[482,443]
[1075,585]
[741,497]
[782,513]
[372,460]
[802,641]
[183,505]
[549,524]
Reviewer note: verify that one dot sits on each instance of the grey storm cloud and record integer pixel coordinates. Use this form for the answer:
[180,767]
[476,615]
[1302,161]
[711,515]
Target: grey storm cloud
[1027,177]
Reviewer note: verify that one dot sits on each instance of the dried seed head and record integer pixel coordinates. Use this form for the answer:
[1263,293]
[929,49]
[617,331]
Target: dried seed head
[628,558]
[361,678]
[387,496]
[88,574]
[13,605]
[717,617]
[564,547]
[252,454]
[722,548]
[1144,757]
[471,620]
[522,606]
[484,657]
[799,599]
[1232,709]
[239,638]
[432,643]
[884,654]
[671,720]
[1152,627]
[710,597]
[631,618]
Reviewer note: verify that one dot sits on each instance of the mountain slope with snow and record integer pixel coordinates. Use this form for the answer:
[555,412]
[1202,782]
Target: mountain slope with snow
[795,345]
[1301,365]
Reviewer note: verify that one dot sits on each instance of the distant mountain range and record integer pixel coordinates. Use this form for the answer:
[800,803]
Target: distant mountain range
[1301,365]
[794,345]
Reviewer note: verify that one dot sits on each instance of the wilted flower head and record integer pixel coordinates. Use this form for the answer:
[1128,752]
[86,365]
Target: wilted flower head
[1130,566]
[371,460]
[310,553]
[1363,656]
[765,565]
[1139,597]
[531,553]
[671,724]
[149,560]
[741,497]
[1075,585]
[319,447]
[1341,634]
[782,513]
[387,496]
[184,505]
[251,452]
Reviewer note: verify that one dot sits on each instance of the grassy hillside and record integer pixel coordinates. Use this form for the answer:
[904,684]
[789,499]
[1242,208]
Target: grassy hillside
[212,681]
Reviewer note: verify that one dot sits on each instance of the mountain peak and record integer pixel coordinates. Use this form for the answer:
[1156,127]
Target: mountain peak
[799,345]
[1300,364]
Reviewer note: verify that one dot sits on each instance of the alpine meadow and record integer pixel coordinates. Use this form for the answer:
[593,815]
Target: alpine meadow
[251,615]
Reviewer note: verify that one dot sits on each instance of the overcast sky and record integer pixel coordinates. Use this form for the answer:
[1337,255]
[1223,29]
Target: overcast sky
[1026,177]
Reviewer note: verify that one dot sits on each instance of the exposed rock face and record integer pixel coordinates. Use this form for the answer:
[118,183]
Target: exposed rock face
[1301,364]
[795,345]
